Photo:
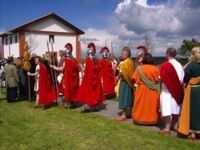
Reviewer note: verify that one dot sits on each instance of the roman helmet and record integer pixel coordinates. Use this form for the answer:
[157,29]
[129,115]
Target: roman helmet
[142,50]
[69,50]
[104,52]
[91,50]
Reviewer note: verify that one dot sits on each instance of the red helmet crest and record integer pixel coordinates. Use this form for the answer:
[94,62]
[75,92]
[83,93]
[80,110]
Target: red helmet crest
[143,48]
[69,46]
[104,49]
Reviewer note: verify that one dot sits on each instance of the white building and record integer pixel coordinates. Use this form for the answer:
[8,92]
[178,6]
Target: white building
[37,32]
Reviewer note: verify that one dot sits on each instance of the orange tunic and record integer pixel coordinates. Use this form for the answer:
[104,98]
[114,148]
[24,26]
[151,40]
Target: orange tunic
[146,102]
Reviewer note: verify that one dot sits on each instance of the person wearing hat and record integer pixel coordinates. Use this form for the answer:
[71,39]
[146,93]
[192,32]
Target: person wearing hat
[107,74]
[142,51]
[12,80]
[189,122]
[91,91]
[126,69]
[70,79]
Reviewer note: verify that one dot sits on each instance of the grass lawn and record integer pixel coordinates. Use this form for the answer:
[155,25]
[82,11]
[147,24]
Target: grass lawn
[22,127]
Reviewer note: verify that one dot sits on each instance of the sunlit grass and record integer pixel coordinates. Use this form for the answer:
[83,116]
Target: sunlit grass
[22,127]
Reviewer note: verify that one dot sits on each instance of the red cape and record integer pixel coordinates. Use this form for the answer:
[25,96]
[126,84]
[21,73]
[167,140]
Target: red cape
[108,77]
[90,91]
[170,78]
[70,79]
[46,90]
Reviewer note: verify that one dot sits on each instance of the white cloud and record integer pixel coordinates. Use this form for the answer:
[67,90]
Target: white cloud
[167,24]
[137,15]
[99,37]
[142,3]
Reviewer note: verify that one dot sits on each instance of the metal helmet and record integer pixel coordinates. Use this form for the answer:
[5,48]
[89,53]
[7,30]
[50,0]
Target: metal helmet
[69,50]
[142,50]
[104,52]
[91,50]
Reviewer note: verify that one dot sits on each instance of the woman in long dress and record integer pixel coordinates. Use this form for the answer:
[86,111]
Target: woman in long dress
[126,69]
[189,123]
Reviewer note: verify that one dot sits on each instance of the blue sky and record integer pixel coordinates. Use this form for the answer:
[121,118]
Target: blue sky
[82,13]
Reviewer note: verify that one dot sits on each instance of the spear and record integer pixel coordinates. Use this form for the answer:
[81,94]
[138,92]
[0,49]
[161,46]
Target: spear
[54,63]
[112,50]
[52,74]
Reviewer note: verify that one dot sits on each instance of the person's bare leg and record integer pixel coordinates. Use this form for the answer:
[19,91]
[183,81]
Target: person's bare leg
[37,101]
[124,113]
[122,117]
[167,125]
[192,136]
[174,124]
[66,104]
[167,121]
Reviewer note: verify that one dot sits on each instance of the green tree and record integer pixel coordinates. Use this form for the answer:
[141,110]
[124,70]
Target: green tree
[187,46]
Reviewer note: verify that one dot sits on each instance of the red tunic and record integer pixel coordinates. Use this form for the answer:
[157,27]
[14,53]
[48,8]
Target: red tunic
[70,79]
[108,77]
[90,91]
[46,90]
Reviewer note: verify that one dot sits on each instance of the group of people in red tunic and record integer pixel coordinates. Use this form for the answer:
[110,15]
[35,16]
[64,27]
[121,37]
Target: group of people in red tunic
[98,80]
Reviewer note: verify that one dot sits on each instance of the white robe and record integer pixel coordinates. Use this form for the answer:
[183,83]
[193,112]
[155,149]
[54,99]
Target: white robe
[168,104]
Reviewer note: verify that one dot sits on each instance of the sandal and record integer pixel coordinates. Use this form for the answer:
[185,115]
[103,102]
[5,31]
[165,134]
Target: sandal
[192,138]
[121,118]
[85,110]
[164,132]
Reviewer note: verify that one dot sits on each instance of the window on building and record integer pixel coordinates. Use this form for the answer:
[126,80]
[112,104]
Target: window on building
[6,40]
[10,39]
[2,41]
[51,38]
[16,38]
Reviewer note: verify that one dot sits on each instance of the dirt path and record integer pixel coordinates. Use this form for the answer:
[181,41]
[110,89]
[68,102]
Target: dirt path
[110,109]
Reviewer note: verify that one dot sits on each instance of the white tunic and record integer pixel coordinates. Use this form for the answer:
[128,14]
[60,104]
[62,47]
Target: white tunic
[168,104]
[36,86]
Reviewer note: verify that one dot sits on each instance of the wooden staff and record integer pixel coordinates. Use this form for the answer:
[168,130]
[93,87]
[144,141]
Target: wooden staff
[27,67]
[54,72]
[112,50]
[29,89]
[29,81]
